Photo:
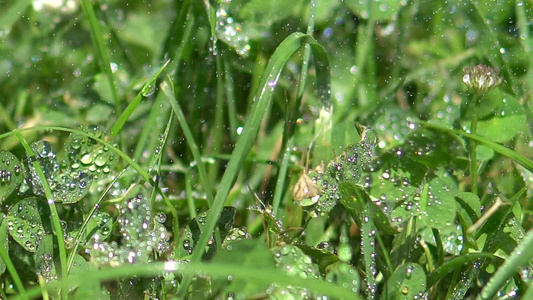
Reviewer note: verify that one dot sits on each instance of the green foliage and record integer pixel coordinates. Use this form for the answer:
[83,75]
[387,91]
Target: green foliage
[263,188]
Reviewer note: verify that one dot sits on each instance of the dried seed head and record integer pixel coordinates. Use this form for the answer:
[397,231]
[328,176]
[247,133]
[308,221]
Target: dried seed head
[481,79]
[306,188]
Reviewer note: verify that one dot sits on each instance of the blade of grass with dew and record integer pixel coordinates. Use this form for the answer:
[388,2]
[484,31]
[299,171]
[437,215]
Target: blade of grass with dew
[511,154]
[290,118]
[218,126]
[57,230]
[146,140]
[449,266]
[147,89]
[157,159]
[230,97]
[187,32]
[168,90]
[11,14]
[520,256]
[281,55]
[81,231]
[4,255]
[525,40]
[320,287]
[175,32]
[101,49]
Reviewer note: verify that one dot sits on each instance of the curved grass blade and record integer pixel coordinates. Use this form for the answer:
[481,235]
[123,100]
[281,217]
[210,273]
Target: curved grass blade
[320,287]
[288,141]
[285,50]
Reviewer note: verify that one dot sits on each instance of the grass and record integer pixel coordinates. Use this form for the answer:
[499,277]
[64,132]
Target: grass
[208,113]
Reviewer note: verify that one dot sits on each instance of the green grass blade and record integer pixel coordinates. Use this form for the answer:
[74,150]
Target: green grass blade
[11,14]
[167,89]
[521,255]
[290,118]
[101,49]
[266,88]
[81,231]
[453,264]
[56,222]
[214,269]
[4,255]
[147,88]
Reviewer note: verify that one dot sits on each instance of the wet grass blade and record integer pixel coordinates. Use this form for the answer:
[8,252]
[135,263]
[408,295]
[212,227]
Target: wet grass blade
[263,97]
[451,265]
[101,49]
[147,89]
[166,87]
[56,222]
[4,255]
[11,14]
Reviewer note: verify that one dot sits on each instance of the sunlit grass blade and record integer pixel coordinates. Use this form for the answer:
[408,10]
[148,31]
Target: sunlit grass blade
[269,80]
[147,89]
[101,49]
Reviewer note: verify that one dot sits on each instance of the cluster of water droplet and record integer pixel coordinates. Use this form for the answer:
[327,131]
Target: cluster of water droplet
[85,153]
[348,166]
[67,187]
[25,222]
[10,174]
[230,31]
[225,226]
[141,234]
[292,261]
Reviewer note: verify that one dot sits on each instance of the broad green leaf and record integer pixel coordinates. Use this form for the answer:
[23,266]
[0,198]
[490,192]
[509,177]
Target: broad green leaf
[68,187]
[27,222]
[10,174]
[432,203]
[246,253]
[291,261]
[393,125]
[344,275]
[407,282]
[86,154]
